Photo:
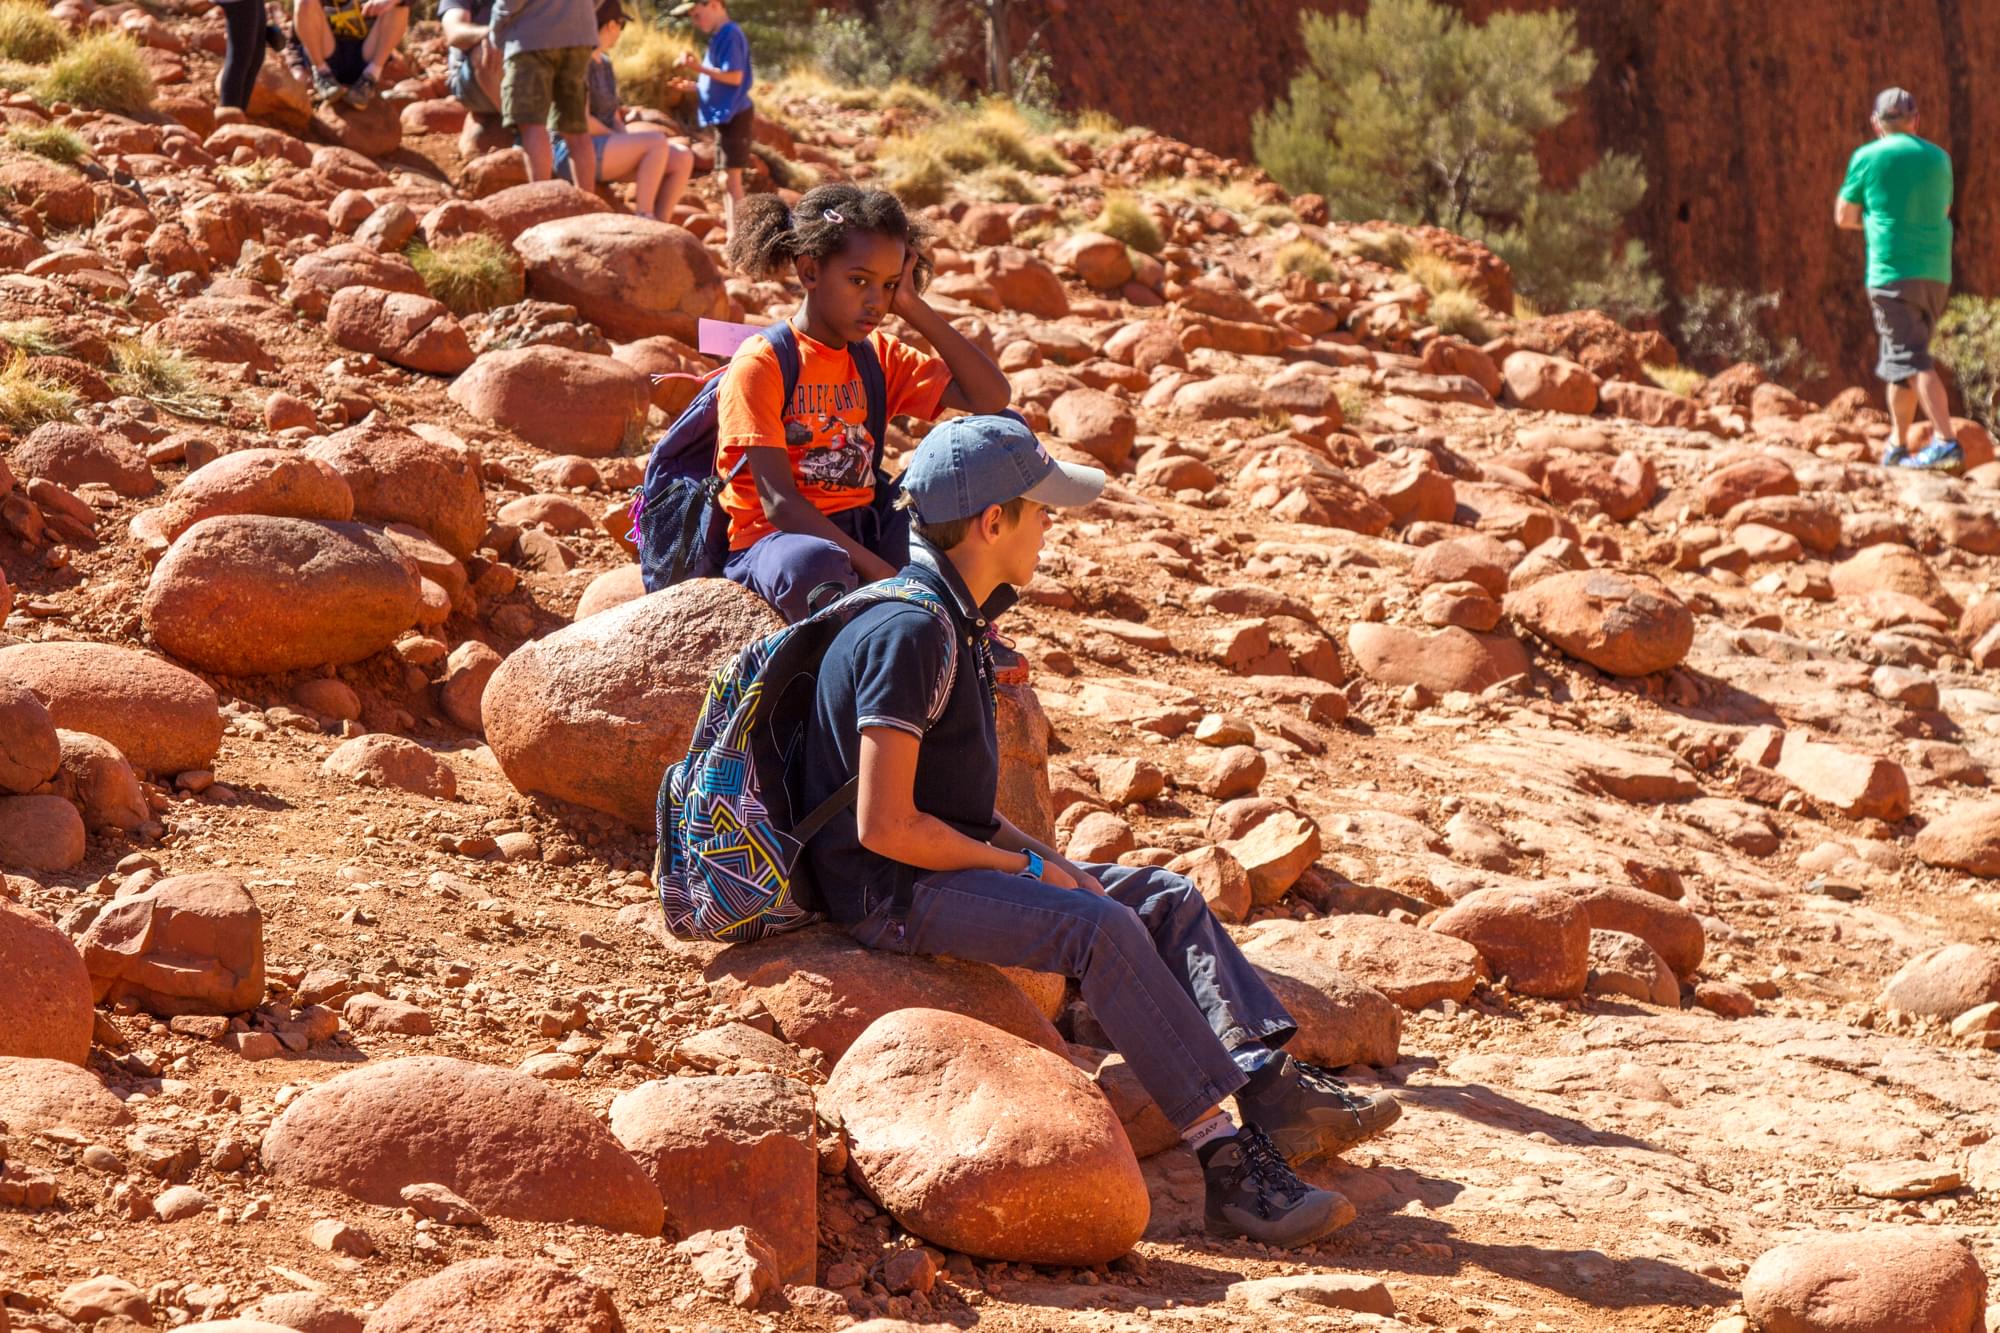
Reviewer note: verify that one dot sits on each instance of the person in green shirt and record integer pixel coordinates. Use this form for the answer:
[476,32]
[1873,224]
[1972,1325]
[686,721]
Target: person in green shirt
[1898,192]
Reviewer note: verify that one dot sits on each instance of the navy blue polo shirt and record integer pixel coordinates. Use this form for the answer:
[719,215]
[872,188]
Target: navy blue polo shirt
[881,671]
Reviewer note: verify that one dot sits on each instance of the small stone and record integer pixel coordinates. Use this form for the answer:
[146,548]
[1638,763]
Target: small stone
[338,1237]
[1221,731]
[179,1202]
[439,1204]
[735,1265]
[1914,1179]
[1235,771]
[1725,999]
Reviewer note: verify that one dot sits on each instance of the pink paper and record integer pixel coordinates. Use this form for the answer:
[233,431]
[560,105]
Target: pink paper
[718,337]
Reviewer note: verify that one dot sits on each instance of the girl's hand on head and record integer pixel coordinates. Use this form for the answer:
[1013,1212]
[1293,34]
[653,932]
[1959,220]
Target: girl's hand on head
[908,298]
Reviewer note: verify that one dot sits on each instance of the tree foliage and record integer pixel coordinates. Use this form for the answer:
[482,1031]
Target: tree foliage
[1968,343]
[1411,114]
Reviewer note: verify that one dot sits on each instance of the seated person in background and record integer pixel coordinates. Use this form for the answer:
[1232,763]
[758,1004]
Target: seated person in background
[547,45]
[809,517]
[473,71]
[343,45]
[657,166]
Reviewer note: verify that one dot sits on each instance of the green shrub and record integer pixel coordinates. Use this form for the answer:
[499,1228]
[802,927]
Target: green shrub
[1720,326]
[1458,312]
[1968,345]
[1412,114]
[920,165]
[908,41]
[54,142]
[1305,257]
[29,398]
[473,273]
[1123,217]
[102,71]
[29,34]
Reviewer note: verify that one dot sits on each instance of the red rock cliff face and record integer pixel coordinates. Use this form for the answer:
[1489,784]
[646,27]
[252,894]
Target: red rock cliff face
[1744,115]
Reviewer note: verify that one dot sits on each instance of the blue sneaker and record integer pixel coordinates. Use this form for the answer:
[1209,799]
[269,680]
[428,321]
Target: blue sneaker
[1938,456]
[1897,456]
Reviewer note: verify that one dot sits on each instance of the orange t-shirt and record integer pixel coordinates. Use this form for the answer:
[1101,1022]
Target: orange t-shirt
[824,428]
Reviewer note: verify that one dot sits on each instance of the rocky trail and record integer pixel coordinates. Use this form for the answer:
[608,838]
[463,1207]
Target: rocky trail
[1597,766]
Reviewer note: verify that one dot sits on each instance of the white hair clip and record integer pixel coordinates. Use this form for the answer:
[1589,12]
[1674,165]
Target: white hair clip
[832,215]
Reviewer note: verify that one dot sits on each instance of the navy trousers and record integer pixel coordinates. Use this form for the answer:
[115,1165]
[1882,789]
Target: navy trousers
[1161,976]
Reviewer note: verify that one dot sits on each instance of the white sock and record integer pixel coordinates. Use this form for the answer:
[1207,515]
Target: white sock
[1217,1126]
[373,71]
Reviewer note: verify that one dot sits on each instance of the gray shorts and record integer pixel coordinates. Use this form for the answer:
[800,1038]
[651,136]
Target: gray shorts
[1906,315]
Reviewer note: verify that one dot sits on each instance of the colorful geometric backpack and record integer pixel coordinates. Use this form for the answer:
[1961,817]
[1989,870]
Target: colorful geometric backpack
[727,866]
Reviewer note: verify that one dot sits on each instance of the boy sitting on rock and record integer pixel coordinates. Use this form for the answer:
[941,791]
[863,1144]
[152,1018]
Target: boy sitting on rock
[924,863]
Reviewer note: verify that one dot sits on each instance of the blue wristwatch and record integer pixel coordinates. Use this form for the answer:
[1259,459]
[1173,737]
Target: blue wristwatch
[1034,870]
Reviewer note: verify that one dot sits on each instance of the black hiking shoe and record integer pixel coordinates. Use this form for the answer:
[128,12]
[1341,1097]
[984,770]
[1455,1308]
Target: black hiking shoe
[1253,1194]
[361,92]
[1307,1112]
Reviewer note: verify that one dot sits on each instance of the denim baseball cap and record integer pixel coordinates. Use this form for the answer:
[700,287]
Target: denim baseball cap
[1895,104]
[970,463]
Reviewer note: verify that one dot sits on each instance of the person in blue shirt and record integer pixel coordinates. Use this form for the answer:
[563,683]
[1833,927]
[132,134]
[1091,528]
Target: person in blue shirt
[724,88]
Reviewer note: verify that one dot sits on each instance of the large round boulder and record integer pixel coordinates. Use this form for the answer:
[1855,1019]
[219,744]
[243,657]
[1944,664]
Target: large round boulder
[402,328]
[278,482]
[1946,981]
[983,1143]
[40,832]
[1412,966]
[1890,567]
[566,402]
[1451,659]
[499,1295]
[72,455]
[1624,624]
[30,751]
[519,208]
[731,1151]
[398,476]
[633,277]
[378,760]
[162,718]
[250,595]
[824,988]
[593,713]
[188,944]
[1965,837]
[508,1144]
[1537,938]
[45,996]
[37,1094]
[98,781]
[1902,1280]
[1670,928]
[1340,1020]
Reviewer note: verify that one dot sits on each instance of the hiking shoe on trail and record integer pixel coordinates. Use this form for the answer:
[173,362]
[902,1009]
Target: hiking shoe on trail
[1307,1112]
[325,86]
[1253,1194]
[1938,456]
[1895,456]
[361,92]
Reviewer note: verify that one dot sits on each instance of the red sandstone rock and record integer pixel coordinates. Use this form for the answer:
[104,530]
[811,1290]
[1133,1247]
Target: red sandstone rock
[1548,384]
[1946,981]
[1898,1280]
[1022,282]
[1669,927]
[45,992]
[1888,567]
[508,1144]
[467,673]
[398,476]
[1628,625]
[519,207]
[401,328]
[377,760]
[278,482]
[1220,878]
[189,944]
[1411,966]
[981,1142]
[1451,659]
[40,833]
[1097,423]
[72,455]
[98,781]
[1857,785]
[42,1094]
[30,751]
[633,277]
[499,1295]
[1965,837]
[1341,1021]
[1537,938]
[573,402]
[162,718]
[317,278]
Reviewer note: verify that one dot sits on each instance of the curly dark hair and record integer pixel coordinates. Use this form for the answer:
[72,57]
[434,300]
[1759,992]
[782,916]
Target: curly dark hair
[771,237]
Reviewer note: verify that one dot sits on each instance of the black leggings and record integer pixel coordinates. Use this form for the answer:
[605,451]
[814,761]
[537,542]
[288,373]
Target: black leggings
[245,54]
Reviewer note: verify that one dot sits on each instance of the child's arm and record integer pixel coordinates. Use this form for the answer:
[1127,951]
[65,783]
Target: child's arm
[977,382]
[889,823]
[788,511]
[1014,840]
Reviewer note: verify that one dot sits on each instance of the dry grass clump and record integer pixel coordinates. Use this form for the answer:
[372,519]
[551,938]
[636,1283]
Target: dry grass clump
[30,398]
[474,273]
[807,81]
[1683,380]
[1039,235]
[1306,257]
[1123,218]
[1437,274]
[1002,185]
[161,375]
[29,34]
[1524,309]
[1100,128]
[54,142]
[102,71]
[1461,314]
[1239,197]
[919,164]
[252,176]
[1355,401]
[36,337]
[646,60]
[1391,249]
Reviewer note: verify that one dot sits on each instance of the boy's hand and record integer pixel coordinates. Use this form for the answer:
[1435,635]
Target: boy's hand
[1056,877]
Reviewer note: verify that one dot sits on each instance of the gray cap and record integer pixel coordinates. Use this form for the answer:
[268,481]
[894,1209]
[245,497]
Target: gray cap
[1895,104]
[969,464]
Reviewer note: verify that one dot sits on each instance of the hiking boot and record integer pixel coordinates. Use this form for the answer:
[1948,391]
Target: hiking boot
[1895,456]
[1253,1194]
[1940,455]
[1307,1112]
[361,92]
[325,86]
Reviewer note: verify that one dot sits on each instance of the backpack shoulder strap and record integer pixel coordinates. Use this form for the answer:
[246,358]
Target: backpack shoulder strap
[784,341]
[875,391]
[909,590]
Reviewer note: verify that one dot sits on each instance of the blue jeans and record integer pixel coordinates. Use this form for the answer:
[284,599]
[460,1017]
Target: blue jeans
[1159,973]
[798,573]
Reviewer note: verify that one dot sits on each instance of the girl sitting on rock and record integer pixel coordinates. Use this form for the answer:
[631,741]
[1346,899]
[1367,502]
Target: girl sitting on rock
[810,514]
[657,166]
